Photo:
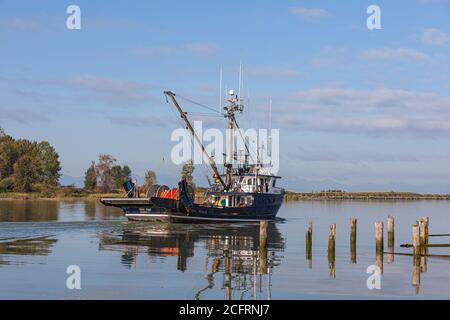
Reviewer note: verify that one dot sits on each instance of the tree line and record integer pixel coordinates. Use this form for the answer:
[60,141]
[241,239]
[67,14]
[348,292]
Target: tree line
[32,166]
[106,175]
[27,166]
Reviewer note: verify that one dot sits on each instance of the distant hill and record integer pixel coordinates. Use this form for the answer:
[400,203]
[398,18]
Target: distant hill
[66,180]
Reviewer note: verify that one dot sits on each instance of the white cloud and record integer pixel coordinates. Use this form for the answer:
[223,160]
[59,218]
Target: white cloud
[435,37]
[110,91]
[141,121]
[381,111]
[199,48]
[425,2]
[149,52]
[357,157]
[203,48]
[271,71]
[19,24]
[394,54]
[331,56]
[309,12]
[20,115]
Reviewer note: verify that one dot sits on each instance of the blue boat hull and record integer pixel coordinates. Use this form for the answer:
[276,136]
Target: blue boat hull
[265,207]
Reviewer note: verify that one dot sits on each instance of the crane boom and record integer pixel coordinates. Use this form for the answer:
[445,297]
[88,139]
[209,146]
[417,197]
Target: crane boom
[212,163]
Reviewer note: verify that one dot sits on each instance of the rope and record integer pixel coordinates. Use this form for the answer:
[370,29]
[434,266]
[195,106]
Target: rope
[200,105]
[243,139]
[203,114]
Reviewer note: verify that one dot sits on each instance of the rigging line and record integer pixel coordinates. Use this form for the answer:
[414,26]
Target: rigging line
[203,165]
[174,112]
[243,139]
[182,125]
[199,104]
[212,122]
[204,114]
[208,172]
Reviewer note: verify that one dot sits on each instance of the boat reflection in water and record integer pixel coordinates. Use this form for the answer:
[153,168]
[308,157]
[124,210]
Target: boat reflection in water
[231,250]
[11,249]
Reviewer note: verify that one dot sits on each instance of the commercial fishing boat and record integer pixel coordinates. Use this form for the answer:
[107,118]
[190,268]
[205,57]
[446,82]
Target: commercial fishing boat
[243,192]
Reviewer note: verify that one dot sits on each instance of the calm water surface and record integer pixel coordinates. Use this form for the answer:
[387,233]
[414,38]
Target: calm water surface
[125,260]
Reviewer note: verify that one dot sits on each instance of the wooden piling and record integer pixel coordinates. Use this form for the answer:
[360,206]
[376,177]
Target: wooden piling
[332,251]
[379,228]
[379,234]
[391,239]
[421,224]
[390,230]
[416,273]
[263,260]
[416,239]
[215,265]
[353,225]
[263,247]
[423,263]
[263,233]
[228,270]
[309,245]
[332,235]
[426,233]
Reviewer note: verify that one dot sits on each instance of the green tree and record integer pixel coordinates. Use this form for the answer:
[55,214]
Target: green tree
[126,173]
[24,174]
[25,163]
[7,184]
[149,179]
[187,172]
[104,171]
[90,178]
[49,165]
[8,156]
[120,175]
[117,176]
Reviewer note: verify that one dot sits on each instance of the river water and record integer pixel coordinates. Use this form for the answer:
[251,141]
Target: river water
[117,259]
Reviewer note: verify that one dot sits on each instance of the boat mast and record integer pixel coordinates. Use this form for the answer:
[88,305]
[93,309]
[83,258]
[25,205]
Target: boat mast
[234,105]
[189,126]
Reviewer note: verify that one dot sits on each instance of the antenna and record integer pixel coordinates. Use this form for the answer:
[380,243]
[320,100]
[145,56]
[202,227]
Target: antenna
[269,147]
[220,90]
[240,79]
[226,92]
[270,114]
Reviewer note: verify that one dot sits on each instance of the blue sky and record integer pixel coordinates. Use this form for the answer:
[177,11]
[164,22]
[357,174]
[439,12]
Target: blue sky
[358,108]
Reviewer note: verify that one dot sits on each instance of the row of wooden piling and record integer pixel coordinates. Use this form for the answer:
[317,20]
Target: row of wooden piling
[420,237]
[353,237]
[379,231]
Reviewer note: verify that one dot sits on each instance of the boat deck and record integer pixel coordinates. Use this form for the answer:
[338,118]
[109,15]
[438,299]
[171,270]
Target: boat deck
[126,202]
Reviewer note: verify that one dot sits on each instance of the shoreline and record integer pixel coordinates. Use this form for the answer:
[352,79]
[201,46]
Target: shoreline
[289,197]
[366,196]
[36,196]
